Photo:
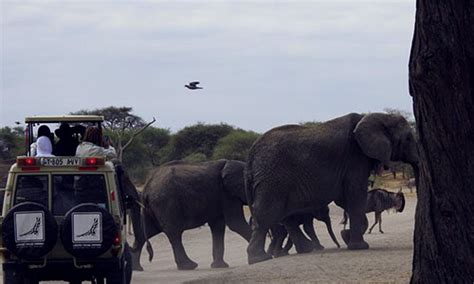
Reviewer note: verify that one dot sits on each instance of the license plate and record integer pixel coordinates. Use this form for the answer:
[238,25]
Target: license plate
[60,162]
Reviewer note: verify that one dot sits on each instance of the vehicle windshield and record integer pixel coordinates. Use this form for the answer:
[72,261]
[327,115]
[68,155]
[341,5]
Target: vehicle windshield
[70,190]
[32,188]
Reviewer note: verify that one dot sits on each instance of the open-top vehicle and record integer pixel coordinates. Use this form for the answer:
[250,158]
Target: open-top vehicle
[63,218]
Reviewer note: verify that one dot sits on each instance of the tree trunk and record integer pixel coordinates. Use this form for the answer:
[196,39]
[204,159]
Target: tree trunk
[442,86]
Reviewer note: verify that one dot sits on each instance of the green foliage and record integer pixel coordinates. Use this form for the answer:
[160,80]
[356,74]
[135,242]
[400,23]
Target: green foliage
[196,157]
[155,141]
[11,142]
[116,118]
[310,123]
[198,138]
[235,146]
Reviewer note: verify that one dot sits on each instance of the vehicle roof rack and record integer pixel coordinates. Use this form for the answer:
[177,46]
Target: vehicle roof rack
[64,118]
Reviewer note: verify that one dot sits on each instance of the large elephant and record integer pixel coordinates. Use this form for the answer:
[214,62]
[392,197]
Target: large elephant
[294,169]
[279,232]
[180,196]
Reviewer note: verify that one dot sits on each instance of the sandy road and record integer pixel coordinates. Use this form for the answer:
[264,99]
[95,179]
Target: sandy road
[388,260]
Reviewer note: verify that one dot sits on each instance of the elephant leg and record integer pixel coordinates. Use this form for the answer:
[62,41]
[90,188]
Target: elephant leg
[375,223]
[380,222]
[235,219]
[151,228]
[287,247]
[218,231]
[182,260]
[279,233]
[331,232]
[302,244]
[255,249]
[309,230]
[357,222]
[262,220]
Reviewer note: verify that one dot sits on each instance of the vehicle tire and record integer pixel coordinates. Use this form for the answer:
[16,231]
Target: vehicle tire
[88,231]
[124,274]
[29,230]
[128,263]
[12,277]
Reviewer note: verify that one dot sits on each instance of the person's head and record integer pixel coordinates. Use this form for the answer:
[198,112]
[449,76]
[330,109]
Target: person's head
[43,130]
[43,146]
[64,131]
[93,135]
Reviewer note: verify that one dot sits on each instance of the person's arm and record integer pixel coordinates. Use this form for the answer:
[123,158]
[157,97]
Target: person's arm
[110,153]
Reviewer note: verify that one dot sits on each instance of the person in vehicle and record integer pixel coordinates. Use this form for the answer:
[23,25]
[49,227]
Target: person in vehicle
[66,145]
[92,145]
[44,148]
[43,130]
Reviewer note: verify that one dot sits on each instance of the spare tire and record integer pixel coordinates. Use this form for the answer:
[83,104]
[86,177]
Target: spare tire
[88,230]
[29,230]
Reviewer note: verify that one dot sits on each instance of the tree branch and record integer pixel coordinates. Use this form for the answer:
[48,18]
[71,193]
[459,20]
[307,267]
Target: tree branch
[137,133]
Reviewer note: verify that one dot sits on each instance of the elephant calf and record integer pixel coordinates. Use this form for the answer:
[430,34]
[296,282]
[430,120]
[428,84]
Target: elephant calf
[180,196]
[279,232]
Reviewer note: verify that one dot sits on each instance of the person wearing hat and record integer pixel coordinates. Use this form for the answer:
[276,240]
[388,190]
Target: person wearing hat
[66,145]
[44,148]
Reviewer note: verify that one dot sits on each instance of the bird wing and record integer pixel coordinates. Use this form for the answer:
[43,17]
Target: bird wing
[194,83]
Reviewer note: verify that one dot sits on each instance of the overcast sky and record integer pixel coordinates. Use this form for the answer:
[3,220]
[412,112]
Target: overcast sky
[261,63]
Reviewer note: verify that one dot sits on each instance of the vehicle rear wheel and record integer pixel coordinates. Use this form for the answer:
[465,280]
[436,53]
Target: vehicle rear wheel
[12,277]
[29,230]
[88,231]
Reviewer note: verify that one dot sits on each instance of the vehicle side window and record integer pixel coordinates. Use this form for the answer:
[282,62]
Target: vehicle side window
[72,190]
[32,188]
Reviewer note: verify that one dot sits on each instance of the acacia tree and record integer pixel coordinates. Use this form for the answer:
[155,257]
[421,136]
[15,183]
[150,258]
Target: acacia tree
[121,124]
[442,86]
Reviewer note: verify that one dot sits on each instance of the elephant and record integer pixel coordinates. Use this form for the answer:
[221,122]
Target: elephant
[181,195]
[279,233]
[294,169]
[130,196]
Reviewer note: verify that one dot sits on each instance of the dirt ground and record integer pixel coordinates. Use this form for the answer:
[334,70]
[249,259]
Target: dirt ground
[388,260]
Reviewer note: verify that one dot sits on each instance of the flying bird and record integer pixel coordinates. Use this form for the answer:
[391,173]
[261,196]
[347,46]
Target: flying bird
[193,85]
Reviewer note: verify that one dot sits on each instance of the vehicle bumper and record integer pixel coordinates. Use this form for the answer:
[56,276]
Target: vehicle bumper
[64,269]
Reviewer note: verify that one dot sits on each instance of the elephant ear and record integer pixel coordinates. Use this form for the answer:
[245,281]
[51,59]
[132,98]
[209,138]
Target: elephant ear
[371,135]
[233,179]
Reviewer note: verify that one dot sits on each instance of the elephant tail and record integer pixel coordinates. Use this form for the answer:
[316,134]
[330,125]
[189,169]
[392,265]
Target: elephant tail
[149,248]
[249,190]
[146,212]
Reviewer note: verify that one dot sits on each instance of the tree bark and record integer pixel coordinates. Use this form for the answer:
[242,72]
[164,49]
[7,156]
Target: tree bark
[442,86]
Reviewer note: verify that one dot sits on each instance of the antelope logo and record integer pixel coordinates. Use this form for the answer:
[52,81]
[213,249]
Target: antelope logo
[35,229]
[92,231]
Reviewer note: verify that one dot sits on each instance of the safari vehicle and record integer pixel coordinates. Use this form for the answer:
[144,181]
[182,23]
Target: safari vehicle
[63,218]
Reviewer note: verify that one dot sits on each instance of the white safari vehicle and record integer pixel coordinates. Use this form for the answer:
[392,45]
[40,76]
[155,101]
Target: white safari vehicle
[63,217]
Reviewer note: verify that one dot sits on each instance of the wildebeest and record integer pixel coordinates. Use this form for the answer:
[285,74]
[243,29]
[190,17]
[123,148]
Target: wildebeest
[379,200]
[411,183]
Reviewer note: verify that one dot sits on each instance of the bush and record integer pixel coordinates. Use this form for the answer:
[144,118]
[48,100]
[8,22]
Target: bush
[199,138]
[196,157]
[235,146]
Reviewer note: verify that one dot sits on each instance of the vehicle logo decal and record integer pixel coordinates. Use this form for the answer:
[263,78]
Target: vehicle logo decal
[29,228]
[86,230]
[92,230]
